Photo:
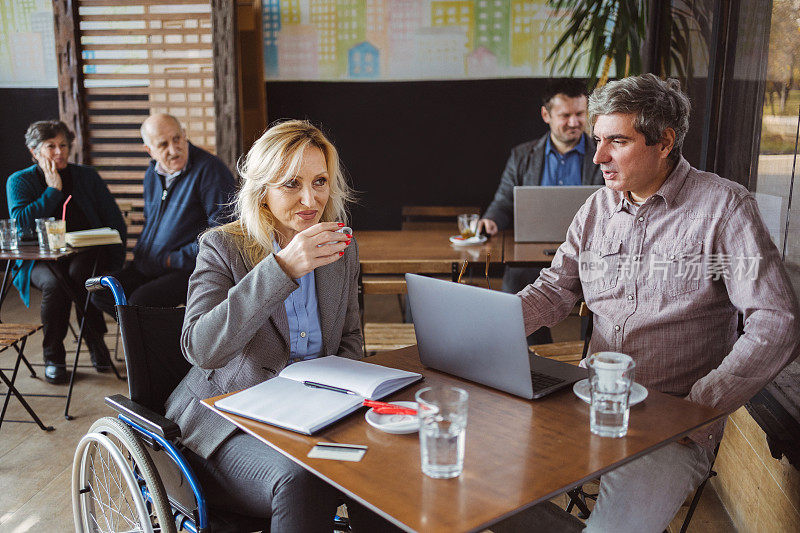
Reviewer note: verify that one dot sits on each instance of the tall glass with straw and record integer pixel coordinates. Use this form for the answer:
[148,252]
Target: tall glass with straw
[57,230]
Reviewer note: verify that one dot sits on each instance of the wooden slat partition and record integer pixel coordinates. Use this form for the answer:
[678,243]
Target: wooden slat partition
[142,57]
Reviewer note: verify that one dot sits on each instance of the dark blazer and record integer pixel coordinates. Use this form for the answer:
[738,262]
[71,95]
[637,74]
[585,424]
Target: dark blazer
[524,167]
[236,333]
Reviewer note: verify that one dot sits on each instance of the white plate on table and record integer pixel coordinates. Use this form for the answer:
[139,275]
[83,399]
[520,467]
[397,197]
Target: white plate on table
[581,390]
[396,424]
[472,241]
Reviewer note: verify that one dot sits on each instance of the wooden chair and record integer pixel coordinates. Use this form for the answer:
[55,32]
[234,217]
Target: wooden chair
[416,217]
[16,336]
[570,351]
[382,336]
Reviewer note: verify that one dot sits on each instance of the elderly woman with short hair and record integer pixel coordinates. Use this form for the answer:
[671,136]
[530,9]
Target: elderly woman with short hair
[40,191]
[275,286]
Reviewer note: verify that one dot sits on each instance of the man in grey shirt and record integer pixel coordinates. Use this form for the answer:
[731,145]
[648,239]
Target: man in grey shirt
[562,156]
[666,257]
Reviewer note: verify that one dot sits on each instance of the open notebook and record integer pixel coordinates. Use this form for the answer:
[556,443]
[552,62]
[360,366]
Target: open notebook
[296,398]
[93,237]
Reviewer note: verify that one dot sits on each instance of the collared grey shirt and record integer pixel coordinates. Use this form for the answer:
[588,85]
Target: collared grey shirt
[665,281]
[169,177]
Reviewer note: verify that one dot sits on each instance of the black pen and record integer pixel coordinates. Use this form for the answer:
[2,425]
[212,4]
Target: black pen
[315,385]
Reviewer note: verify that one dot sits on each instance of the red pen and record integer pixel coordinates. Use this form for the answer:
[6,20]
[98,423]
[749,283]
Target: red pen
[383,408]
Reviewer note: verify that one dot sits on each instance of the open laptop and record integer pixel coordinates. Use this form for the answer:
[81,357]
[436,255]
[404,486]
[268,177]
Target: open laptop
[543,214]
[479,335]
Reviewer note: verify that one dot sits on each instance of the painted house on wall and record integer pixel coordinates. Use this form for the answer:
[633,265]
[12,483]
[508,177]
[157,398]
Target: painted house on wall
[298,52]
[482,63]
[363,62]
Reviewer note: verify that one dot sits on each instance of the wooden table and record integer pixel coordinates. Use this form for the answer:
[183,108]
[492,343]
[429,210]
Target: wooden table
[31,252]
[518,452]
[419,251]
[430,252]
[527,254]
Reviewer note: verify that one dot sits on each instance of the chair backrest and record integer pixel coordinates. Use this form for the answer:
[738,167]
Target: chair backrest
[415,217]
[153,357]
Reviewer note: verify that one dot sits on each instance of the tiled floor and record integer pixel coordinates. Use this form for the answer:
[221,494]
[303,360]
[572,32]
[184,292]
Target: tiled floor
[35,466]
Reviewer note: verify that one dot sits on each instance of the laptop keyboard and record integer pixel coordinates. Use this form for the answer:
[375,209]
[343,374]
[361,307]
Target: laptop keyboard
[543,381]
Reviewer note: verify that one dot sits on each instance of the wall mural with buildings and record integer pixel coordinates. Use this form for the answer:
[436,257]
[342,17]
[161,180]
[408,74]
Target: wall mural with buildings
[330,40]
[27,44]
[407,39]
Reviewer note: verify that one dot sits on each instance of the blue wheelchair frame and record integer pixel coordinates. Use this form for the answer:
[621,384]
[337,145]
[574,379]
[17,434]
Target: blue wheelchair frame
[181,519]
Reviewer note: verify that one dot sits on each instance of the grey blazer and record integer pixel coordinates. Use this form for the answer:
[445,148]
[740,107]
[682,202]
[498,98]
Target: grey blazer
[524,167]
[236,333]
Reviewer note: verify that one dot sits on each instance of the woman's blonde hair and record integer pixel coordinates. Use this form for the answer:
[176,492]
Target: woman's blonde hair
[274,159]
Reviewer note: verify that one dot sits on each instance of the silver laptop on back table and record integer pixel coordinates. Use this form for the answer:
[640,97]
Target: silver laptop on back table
[543,214]
[479,335]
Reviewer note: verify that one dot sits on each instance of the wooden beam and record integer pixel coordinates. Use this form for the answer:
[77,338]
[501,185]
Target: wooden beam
[253,90]
[226,84]
[71,96]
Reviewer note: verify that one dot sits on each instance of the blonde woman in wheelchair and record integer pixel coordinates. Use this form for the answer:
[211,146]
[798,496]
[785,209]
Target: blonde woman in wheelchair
[277,285]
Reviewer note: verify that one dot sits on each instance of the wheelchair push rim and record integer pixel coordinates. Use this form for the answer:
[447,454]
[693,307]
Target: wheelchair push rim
[115,486]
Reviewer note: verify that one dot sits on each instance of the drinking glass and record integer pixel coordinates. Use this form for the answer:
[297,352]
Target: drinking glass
[442,413]
[610,380]
[8,234]
[56,234]
[41,234]
[467,225]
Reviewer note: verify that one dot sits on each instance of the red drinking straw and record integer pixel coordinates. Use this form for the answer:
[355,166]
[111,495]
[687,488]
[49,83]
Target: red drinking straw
[64,211]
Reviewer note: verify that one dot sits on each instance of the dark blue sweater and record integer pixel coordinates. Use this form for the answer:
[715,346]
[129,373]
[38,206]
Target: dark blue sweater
[28,200]
[173,218]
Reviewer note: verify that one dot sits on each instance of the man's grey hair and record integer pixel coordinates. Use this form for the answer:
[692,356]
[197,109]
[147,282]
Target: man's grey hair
[658,104]
[143,131]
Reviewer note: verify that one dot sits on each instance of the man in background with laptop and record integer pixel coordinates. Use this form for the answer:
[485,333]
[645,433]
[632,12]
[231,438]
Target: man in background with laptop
[562,156]
[666,256]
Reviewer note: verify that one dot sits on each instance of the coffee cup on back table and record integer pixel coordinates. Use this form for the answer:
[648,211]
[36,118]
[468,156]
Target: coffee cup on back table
[467,225]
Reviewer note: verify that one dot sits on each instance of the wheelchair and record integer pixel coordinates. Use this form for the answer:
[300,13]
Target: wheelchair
[129,473]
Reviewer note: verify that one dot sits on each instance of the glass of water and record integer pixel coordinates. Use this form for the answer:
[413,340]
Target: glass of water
[41,233]
[610,380]
[442,413]
[8,234]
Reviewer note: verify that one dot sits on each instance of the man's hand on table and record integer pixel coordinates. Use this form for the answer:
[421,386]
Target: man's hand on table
[487,225]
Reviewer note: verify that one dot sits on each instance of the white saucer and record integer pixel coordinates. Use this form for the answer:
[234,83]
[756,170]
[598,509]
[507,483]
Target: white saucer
[472,241]
[397,424]
[581,390]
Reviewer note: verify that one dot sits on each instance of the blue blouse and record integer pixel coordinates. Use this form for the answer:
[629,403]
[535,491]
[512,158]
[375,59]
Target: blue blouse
[302,310]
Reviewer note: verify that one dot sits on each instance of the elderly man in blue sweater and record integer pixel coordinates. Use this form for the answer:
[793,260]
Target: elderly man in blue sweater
[186,190]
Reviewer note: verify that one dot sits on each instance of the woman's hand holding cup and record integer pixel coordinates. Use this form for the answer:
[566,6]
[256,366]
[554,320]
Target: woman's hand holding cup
[311,248]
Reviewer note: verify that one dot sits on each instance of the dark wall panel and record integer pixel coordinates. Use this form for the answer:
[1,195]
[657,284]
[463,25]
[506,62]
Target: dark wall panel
[19,108]
[416,143]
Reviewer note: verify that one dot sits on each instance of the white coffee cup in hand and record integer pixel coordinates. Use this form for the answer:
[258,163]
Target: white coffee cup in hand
[345,230]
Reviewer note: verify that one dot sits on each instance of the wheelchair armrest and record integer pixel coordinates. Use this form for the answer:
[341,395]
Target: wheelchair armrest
[143,416]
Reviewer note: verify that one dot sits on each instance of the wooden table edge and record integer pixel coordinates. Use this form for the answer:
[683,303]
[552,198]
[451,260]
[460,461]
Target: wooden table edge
[242,422]
[236,420]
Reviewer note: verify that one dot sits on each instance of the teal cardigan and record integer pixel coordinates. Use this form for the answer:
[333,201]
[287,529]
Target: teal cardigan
[29,200]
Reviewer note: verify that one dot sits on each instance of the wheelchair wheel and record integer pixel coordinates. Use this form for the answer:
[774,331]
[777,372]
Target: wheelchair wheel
[114,484]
